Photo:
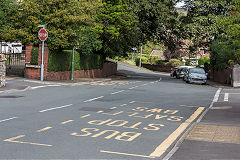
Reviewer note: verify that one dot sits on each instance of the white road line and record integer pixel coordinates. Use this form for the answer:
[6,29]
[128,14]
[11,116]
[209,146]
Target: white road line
[226,97]
[145,84]
[7,119]
[117,92]
[152,82]
[93,99]
[53,85]
[133,87]
[56,108]
[215,99]
[38,87]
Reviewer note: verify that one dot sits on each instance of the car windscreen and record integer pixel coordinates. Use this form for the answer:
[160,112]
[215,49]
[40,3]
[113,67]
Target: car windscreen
[197,70]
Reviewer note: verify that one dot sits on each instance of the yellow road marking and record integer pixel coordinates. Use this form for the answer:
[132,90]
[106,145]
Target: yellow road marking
[167,142]
[44,129]
[67,122]
[123,105]
[132,102]
[127,154]
[86,116]
[21,136]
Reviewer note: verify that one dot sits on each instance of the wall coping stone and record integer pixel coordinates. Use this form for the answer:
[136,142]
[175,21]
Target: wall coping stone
[32,66]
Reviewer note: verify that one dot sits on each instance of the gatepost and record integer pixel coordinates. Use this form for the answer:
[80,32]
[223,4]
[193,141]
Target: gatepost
[2,70]
[236,76]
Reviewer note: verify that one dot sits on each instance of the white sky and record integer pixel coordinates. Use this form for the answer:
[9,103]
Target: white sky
[179,4]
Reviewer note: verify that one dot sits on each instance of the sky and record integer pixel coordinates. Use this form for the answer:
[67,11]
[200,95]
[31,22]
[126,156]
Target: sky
[179,4]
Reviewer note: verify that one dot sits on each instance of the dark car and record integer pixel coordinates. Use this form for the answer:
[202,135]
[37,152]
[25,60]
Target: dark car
[173,71]
[181,71]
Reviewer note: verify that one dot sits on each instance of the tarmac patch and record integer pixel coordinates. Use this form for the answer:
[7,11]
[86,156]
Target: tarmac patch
[215,133]
[11,96]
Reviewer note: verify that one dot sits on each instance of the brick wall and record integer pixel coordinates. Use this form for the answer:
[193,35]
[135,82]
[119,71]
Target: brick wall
[221,76]
[33,71]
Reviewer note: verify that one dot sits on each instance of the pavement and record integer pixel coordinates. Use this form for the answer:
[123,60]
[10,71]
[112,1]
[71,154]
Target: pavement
[215,135]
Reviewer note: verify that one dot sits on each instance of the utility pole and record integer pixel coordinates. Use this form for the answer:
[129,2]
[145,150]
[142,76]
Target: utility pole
[140,62]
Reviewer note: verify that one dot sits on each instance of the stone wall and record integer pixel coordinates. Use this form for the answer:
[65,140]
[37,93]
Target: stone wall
[236,76]
[33,71]
[2,70]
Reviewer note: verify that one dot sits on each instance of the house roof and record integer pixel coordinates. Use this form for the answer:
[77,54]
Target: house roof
[158,53]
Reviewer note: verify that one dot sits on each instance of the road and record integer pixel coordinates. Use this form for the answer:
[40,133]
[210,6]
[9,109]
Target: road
[138,117]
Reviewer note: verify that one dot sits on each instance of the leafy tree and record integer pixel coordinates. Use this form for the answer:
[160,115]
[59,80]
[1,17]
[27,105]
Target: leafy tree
[117,29]
[68,22]
[7,10]
[201,21]
[225,51]
[157,20]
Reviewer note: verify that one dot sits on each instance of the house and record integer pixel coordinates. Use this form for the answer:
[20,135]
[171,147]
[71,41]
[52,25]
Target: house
[158,53]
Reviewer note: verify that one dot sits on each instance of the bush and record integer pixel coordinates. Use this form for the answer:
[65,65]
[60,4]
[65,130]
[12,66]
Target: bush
[153,59]
[204,60]
[144,60]
[62,61]
[34,56]
[174,62]
[159,62]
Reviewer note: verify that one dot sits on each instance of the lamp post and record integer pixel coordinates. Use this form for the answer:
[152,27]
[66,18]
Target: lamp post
[133,56]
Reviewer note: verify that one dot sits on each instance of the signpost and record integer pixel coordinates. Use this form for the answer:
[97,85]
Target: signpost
[42,35]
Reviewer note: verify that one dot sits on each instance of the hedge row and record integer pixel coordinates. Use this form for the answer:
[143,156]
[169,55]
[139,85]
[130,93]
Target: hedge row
[34,56]
[62,61]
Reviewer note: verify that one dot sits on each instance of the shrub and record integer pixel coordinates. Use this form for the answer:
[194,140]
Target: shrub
[34,56]
[153,59]
[159,62]
[62,61]
[174,62]
[204,60]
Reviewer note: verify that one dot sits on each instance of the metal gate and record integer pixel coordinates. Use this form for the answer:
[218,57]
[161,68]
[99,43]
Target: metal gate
[15,55]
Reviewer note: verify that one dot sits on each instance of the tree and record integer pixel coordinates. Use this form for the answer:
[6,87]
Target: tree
[117,29]
[157,20]
[68,23]
[7,10]
[201,21]
[225,50]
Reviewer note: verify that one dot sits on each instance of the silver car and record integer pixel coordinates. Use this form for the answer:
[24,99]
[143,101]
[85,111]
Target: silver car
[196,75]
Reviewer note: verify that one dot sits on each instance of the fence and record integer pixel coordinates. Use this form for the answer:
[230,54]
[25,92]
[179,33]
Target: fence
[15,56]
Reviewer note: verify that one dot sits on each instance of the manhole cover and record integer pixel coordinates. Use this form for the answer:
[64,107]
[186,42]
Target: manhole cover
[11,96]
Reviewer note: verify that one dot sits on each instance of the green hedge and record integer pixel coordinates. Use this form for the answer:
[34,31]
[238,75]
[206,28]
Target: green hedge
[34,56]
[62,61]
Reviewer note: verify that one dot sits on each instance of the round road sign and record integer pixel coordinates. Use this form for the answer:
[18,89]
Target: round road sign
[42,34]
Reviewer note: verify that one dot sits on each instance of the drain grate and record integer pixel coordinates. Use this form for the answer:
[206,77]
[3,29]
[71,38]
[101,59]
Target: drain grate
[11,96]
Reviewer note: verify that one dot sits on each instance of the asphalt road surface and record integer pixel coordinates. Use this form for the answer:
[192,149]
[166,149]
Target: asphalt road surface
[139,117]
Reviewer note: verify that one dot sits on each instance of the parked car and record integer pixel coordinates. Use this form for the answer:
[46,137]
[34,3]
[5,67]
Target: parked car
[173,71]
[195,75]
[181,71]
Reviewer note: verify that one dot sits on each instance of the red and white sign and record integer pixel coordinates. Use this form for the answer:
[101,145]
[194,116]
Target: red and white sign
[42,34]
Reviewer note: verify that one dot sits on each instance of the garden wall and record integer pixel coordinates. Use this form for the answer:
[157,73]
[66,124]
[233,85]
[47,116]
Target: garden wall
[33,71]
[221,76]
